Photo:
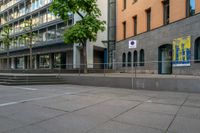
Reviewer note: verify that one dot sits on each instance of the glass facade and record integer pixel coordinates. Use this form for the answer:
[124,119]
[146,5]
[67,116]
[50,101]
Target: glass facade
[57,60]
[15,12]
[27,7]
[44,61]
[43,35]
[47,28]
[31,5]
[19,62]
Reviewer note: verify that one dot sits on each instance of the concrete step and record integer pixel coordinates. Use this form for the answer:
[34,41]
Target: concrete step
[30,79]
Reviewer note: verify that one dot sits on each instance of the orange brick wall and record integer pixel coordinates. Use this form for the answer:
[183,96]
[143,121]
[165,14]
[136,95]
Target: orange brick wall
[177,12]
[197,6]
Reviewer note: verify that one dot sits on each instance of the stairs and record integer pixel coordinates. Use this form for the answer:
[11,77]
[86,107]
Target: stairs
[30,79]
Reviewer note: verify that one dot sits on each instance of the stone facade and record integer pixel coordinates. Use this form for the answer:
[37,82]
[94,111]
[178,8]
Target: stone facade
[151,41]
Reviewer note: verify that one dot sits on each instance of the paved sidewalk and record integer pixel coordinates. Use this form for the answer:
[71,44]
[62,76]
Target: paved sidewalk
[83,109]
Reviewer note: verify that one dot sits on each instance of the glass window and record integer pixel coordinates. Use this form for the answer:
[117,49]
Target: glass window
[21,10]
[35,38]
[135,58]
[124,60]
[129,59]
[19,62]
[21,42]
[60,30]
[124,29]
[57,60]
[197,50]
[49,16]
[142,57]
[124,4]
[41,3]
[148,12]
[28,6]
[51,33]
[166,11]
[35,20]
[42,35]
[16,12]
[190,9]
[44,61]
[135,25]
[43,17]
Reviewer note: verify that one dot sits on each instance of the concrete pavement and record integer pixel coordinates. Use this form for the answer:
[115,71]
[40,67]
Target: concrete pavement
[84,109]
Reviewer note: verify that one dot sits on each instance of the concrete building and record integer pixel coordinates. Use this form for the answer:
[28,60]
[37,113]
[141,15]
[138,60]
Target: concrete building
[167,35]
[49,49]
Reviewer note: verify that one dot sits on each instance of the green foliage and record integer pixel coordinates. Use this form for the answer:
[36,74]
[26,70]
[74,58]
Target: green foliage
[6,37]
[85,29]
[63,8]
[29,35]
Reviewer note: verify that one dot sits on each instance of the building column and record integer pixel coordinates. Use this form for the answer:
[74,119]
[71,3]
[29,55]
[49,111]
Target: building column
[90,55]
[63,57]
[37,62]
[76,56]
[51,60]
[1,63]
[25,62]
[13,63]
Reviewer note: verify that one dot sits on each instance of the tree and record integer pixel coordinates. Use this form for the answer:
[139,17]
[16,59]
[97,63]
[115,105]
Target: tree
[85,29]
[7,41]
[29,37]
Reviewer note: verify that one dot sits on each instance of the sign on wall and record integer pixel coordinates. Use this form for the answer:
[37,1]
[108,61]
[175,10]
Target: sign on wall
[182,51]
[132,44]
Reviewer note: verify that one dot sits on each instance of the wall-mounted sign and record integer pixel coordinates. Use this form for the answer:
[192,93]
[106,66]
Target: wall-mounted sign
[182,51]
[132,44]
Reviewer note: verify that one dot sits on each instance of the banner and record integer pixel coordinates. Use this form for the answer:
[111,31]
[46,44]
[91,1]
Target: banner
[182,51]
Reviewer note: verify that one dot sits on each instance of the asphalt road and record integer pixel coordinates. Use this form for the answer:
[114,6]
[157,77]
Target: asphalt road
[83,109]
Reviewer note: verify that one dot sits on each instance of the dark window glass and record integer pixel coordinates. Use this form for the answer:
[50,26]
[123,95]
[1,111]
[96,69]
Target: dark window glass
[129,59]
[44,61]
[57,60]
[142,57]
[124,60]
[135,58]
[190,9]
[124,4]
[197,50]
[51,33]
[148,19]
[124,30]
[135,25]
[166,11]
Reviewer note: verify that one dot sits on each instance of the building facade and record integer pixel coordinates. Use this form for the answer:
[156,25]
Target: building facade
[49,49]
[166,33]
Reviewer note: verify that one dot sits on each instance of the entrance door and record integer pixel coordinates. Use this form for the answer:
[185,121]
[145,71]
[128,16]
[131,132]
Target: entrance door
[165,59]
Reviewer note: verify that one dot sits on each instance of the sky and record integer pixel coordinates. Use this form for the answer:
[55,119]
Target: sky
[192,3]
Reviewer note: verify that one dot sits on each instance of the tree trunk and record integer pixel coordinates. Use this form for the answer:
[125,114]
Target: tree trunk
[85,57]
[8,66]
[31,58]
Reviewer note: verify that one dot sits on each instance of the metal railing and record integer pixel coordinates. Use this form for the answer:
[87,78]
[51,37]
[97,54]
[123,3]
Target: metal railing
[148,67]
[134,70]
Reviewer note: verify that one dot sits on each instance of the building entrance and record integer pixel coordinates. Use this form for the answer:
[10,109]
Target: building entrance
[165,59]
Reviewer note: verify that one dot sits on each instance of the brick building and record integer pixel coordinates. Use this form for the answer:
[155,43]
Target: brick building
[167,34]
